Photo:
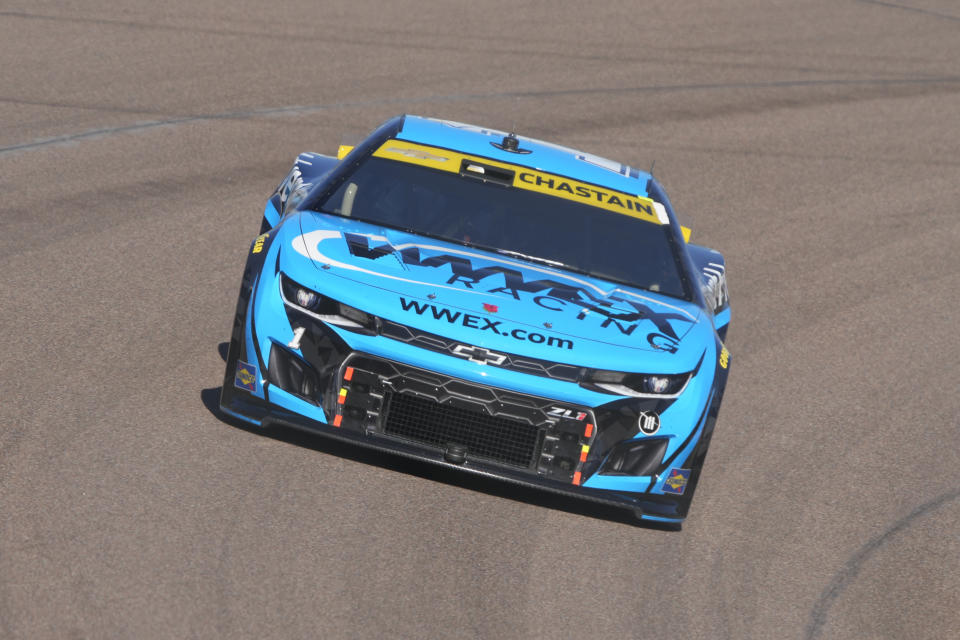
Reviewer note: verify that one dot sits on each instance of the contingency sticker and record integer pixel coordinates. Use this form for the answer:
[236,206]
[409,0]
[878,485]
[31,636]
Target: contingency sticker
[258,242]
[529,179]
[246,377]
[677,481]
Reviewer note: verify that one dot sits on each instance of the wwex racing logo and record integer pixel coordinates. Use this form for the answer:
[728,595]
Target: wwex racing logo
[548,293]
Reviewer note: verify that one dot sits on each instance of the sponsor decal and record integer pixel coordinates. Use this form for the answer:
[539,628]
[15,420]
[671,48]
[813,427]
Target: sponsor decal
[715,285]
[616,201]
[297,336]
[677,481]
[246,377]
[562,413]
[662,342]
[528,179]
[258,242]
[480,323]
[648,422]
[724,358]
[618,311]
[410,151]
[293,188]
[478,354]
[422,155]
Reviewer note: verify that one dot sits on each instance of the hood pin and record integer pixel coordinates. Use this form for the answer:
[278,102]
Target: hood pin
[548,325]
[432,296]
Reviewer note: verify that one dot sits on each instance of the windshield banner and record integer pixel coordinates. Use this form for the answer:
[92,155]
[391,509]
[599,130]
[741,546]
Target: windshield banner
[528,179]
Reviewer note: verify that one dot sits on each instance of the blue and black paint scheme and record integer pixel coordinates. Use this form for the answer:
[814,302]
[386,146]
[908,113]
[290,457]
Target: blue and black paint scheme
[478,360]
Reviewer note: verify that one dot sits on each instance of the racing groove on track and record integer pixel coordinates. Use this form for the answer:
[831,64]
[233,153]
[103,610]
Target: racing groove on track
[817,146]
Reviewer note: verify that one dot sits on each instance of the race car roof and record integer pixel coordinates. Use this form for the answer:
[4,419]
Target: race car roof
[543,156]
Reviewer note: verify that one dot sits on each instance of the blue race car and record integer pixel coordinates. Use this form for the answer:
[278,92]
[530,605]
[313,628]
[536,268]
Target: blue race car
[490,303]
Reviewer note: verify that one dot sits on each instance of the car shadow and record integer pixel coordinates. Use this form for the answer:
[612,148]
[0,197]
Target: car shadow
[501,489]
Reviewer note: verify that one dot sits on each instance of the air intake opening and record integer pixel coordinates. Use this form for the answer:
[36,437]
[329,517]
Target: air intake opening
[458,431]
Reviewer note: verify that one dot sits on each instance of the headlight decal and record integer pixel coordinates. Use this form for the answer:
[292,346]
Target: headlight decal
[639,385]
[321,307]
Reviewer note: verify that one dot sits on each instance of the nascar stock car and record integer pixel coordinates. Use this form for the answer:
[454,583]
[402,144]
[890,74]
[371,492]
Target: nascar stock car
[490,303]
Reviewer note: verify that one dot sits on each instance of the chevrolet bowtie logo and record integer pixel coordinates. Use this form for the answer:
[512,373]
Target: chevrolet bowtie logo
[478,354]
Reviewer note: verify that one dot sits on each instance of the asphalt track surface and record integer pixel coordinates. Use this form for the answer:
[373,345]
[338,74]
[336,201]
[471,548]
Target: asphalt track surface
[817,144]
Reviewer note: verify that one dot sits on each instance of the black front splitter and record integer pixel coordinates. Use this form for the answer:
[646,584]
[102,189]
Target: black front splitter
[643,506]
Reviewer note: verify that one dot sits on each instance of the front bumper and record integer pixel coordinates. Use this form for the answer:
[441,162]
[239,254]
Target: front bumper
[254,411]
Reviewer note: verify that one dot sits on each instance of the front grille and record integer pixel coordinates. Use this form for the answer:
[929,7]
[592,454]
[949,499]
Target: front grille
[485,436]
[440,344]
[530,434]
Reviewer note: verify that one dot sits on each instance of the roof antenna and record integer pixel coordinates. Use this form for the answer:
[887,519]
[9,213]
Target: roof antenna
[651,165]
[510,143]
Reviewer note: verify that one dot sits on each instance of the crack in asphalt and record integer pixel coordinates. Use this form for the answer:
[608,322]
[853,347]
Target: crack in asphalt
[554,50]
[284,37]
[552,93]
[851,569]
[893,5]
[562,52]
[81,107]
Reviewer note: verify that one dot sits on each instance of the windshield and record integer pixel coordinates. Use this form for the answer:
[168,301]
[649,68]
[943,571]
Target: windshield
[483,210]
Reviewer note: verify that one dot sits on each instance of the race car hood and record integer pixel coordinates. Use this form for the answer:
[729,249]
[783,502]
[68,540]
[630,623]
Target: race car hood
[491,300]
